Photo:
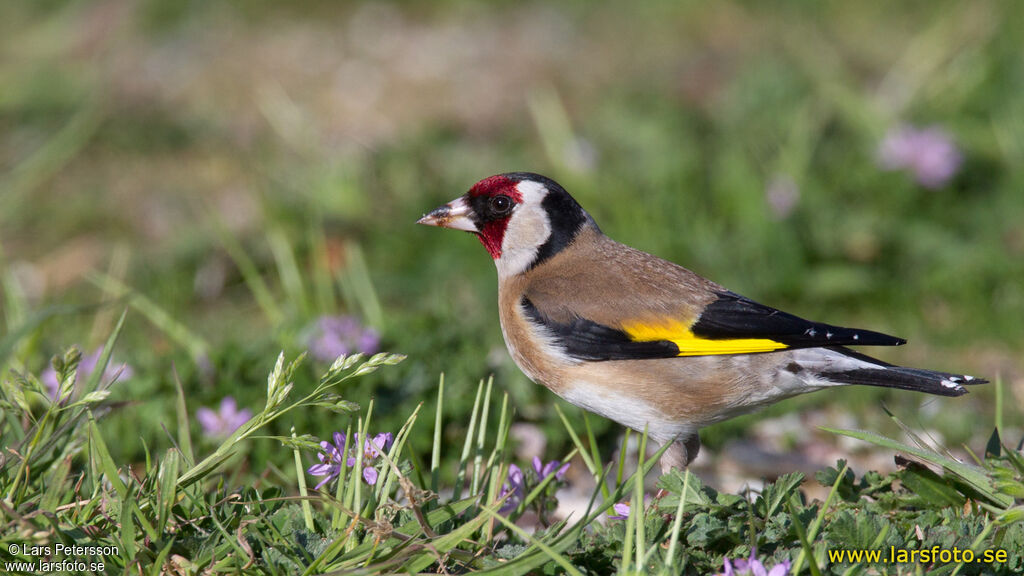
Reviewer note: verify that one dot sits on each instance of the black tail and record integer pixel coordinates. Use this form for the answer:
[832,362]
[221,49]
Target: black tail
[889,376]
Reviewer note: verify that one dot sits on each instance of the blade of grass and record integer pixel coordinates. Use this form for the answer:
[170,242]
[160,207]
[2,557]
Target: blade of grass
[300,475]
[55,485]
[806,550]
[973,476]
[591,466]
[126,532]
[412,529]
[640,510]
[812,531]
[443,544]
[677,524]
[184,432]
[435,450]
[250,272]
[100,456]
[197,347]
[460,477]
[551,553]
[343,476]
[357,287]
[623,448]
[478,456]
[389,472]
[497,454]
[288,271]
[595,451]
[167,484]
[533,558]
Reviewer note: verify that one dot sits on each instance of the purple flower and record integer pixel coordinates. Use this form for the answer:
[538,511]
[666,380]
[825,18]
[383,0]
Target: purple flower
[515,488]
[330,460]
[782,195]
[753,567]
[86,366]
[622,508]
[336,336]
[543,471]
[332,456]
[621,511]
[371,450]
[225,420]
[928,153]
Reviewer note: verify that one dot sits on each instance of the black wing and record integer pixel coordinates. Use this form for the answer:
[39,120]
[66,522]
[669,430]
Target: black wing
[752,328]
[732,316]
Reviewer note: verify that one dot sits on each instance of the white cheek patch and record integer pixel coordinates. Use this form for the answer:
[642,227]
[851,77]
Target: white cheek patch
[528,229]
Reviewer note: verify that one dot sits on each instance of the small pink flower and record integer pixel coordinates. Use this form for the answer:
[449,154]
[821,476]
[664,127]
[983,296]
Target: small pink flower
[623,508]
[336,336]
[330,460]
[515,488]
[86,366]
[782,195]
[225,420]
[545,470]
[753,567]
[930,154]
[331,457]
[621,511]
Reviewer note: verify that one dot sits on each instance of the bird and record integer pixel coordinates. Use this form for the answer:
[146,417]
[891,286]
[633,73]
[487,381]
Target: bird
[643,341]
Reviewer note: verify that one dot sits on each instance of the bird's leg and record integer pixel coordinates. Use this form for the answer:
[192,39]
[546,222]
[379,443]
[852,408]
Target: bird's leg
[682,451]
[679,455]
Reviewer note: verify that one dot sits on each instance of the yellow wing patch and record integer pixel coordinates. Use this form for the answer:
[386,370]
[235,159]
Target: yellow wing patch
[690,344]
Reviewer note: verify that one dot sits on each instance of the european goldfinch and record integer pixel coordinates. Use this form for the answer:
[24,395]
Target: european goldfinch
[643,341]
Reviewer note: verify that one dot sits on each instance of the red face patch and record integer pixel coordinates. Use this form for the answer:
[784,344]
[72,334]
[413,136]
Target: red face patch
[492,223]
[495,185]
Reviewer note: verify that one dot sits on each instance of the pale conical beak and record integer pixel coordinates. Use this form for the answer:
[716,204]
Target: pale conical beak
[456,215]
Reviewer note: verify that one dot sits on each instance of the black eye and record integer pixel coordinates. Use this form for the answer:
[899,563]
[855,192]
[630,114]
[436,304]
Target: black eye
[501,204]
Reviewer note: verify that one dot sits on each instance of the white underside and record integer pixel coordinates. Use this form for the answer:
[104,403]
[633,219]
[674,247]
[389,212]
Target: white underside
[626,410]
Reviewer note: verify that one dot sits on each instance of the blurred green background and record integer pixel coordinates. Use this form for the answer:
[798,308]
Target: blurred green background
[247,167]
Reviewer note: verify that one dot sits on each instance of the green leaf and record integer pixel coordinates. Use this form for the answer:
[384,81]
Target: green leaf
[55,485]
[780,491]
[972,475]
[102,460]
[167,495]
[184,431]
[96,377]
[930,487]
[127,526]
[994,446]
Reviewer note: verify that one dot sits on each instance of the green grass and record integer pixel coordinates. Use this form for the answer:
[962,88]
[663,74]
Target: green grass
[216,171]
[63,488]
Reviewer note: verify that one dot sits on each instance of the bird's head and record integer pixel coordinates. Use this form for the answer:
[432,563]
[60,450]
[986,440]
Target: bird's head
[521,218]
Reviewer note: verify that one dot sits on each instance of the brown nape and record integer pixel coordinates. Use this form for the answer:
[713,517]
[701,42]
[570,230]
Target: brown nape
[679,455]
